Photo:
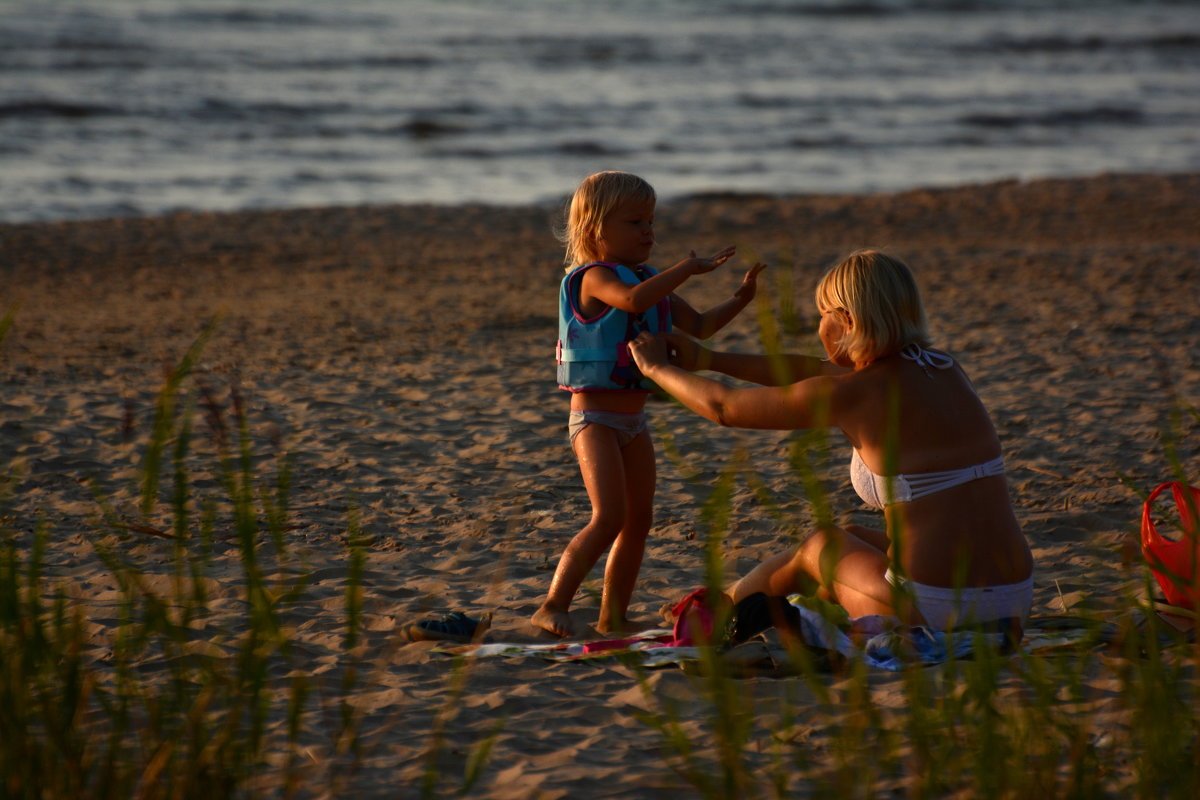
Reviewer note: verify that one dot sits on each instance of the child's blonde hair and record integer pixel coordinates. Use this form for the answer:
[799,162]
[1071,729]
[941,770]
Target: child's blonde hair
[594,200]
[880,295]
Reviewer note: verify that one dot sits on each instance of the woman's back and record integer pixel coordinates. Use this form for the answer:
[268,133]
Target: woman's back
[906,420]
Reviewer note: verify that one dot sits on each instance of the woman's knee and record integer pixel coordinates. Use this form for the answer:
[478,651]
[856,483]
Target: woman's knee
[820,556]
[820,544]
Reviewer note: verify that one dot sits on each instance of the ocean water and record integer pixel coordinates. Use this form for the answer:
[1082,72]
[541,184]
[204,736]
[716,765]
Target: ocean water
[137,107]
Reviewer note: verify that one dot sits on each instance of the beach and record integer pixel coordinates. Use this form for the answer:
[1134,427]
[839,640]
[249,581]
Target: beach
[402,358]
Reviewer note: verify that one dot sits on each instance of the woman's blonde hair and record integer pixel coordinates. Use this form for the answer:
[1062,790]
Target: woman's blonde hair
[594,200]
[880,295]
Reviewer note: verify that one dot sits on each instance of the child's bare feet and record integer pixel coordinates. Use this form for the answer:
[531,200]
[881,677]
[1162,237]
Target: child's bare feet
[553,621]
[624,627]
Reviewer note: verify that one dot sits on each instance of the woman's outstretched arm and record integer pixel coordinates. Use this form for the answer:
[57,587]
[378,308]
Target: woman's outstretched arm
[765,370]
[799,405]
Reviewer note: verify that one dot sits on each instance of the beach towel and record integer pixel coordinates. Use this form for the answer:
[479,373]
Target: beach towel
[880,641]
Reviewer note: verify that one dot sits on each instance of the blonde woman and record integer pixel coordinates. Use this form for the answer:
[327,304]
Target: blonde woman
[925,453]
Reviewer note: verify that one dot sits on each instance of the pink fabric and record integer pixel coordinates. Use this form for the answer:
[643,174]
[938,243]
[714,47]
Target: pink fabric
[694,622]
[605,645]
[694,619]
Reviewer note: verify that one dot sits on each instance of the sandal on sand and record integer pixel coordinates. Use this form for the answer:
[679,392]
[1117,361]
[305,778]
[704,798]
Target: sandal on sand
[454,627]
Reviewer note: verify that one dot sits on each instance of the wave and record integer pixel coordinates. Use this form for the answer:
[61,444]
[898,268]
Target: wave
[222,109]
[1108,115]
[261,17]
[1089,43]
[56,109]
[884,8]
[75,62]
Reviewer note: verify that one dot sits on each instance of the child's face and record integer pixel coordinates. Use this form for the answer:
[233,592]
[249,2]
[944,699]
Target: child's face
[627,234]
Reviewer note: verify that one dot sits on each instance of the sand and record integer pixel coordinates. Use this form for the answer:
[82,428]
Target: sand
[403,357]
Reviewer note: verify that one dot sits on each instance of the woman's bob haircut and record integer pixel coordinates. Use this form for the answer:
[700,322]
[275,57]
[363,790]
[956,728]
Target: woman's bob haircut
[880,296]
[594,200]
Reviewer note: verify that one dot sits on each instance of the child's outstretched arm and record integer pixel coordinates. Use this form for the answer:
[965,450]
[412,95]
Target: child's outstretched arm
[605,286]
[704,325]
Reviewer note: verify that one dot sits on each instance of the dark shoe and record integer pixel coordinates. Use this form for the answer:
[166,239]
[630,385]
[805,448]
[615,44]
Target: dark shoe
[454,627]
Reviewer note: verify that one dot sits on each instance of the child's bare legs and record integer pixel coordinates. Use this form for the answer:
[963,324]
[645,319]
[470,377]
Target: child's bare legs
[625,558]
[603,465]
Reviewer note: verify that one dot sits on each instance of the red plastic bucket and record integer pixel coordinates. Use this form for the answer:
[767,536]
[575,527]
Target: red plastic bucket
[1174,561]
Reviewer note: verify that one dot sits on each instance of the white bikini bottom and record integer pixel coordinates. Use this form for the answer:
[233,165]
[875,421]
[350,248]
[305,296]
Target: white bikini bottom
[627,426]
[942,608]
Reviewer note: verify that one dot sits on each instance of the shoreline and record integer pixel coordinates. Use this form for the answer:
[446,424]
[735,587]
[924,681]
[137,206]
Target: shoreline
[554,205]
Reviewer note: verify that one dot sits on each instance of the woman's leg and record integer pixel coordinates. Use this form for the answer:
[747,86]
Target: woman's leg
[602,467]
[625,558]
[872,536]
[840,566]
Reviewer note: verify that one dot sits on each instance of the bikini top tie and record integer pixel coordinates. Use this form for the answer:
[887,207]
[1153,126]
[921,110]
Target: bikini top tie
[926,358]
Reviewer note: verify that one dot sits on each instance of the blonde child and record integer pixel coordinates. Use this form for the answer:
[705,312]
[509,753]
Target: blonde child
[606,299]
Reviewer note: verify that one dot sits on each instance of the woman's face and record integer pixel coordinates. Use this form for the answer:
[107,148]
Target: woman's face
[835,324]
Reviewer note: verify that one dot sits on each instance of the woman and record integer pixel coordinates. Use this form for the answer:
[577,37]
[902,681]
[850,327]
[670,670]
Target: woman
[925,452]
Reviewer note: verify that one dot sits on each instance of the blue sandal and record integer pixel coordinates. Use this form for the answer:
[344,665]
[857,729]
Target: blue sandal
[454,627]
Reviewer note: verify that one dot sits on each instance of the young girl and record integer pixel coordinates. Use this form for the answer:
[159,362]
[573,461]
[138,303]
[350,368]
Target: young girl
[606,299]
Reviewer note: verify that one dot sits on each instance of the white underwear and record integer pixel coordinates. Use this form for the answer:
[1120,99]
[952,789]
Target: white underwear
[627,426]
[943,607]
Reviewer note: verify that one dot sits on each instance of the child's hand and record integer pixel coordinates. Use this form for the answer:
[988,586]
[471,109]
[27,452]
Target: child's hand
[701,265]
[749,285]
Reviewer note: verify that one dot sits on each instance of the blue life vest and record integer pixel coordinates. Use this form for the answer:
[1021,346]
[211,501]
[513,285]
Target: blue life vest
[593,354]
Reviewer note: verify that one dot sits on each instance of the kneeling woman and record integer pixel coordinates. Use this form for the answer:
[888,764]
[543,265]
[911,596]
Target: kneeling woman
[925,453]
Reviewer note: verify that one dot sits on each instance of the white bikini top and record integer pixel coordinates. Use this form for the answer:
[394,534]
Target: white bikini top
[874,489]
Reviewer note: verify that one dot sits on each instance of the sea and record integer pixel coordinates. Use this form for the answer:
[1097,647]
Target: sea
[116,108]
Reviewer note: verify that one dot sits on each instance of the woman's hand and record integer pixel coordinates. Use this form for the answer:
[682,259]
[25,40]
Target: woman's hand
[686,353]
[749,285]
[649,351]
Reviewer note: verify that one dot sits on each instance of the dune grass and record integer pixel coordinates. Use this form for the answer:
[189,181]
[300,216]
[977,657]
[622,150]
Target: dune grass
[165,701]
[161,699]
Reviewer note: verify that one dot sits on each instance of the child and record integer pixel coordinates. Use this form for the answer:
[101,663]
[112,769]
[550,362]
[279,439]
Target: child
[606,299]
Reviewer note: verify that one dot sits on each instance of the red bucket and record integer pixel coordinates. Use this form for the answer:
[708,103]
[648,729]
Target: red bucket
[1174,561]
